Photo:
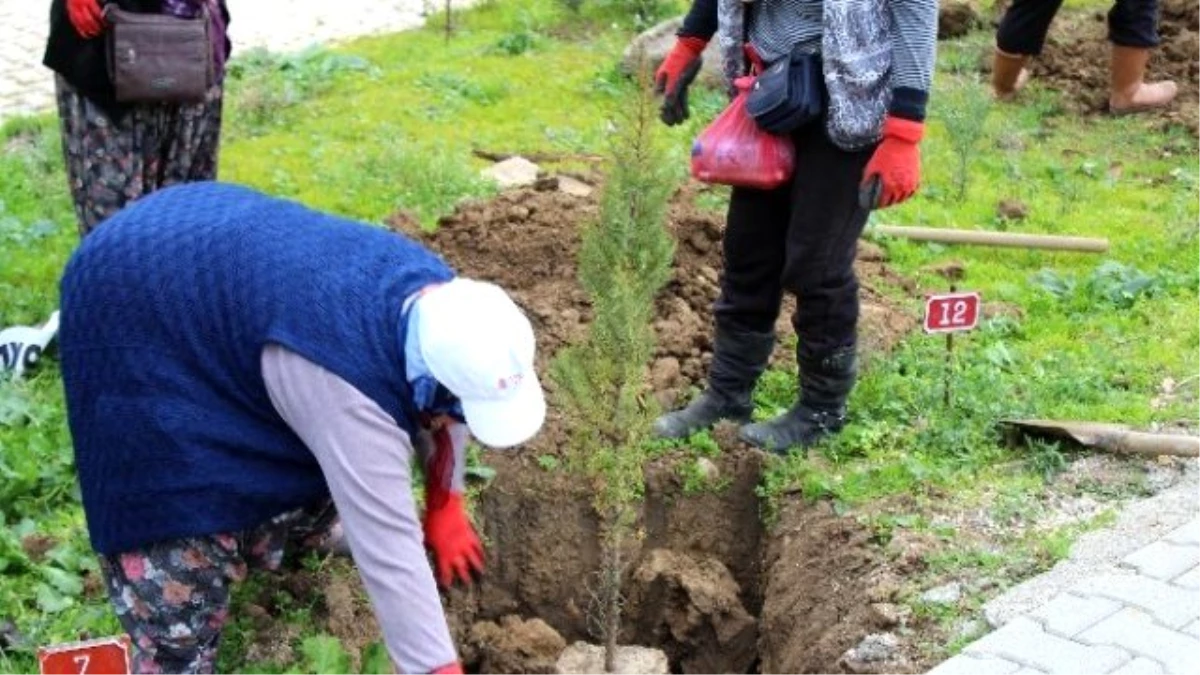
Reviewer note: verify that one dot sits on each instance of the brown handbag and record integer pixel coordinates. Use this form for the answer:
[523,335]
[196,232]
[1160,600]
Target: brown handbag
[158,58]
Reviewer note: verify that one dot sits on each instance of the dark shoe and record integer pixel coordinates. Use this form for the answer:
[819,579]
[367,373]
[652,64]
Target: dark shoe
[800,427]
[825,384]
[739,357]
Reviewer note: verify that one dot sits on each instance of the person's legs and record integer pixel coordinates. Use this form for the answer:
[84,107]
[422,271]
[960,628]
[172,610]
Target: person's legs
[103,165]
[1133,31]
[745,312]
[173,599]
[193,146]
[822,241]
[1021,34]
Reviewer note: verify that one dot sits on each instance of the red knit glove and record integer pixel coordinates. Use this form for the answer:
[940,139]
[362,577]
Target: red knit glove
[675,75]
[448,533]
[86,16]
[895,168]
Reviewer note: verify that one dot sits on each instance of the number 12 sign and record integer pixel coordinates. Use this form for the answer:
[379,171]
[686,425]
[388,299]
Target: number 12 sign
[951,312]
[106,655]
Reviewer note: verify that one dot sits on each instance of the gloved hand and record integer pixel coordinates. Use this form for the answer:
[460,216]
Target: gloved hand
[675,75]
[456,547]
[894,172]
[86,16]
[449,669]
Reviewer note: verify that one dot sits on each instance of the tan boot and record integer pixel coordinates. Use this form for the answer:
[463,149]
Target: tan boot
[1129,93]
[1009,74]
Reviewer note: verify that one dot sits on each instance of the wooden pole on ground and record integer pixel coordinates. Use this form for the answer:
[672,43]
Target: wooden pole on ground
[1003,239]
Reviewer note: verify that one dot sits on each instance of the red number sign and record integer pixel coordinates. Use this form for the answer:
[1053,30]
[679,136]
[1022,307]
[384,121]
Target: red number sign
[951,312]
[106,655]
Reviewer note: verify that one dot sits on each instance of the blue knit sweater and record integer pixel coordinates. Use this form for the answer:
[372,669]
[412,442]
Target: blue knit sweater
[166,308]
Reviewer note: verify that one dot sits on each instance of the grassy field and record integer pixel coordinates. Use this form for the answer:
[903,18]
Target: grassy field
[388,123]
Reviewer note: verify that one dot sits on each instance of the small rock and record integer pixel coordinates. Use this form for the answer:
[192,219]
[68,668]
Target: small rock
[700,241]
[947,594]
[652,46]
[885,614]
[875,648]
[884,590]
[956,19]
[953,270]
[574,187]
[707,469]
[10,637]
[582,657]
[665,373]
[512,172]
[971,628]
[1012,209]
[868,252]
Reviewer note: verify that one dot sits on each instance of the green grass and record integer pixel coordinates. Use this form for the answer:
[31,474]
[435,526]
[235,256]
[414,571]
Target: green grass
[388,123]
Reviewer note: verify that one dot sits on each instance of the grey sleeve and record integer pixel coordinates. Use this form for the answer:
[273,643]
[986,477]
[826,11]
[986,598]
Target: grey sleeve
[365,458]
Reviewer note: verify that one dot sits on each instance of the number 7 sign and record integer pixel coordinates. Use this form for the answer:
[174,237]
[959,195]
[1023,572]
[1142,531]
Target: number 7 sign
[106,655]
[951,312]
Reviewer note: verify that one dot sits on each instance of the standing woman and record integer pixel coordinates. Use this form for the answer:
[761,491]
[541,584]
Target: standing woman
[117,152]
[876,61]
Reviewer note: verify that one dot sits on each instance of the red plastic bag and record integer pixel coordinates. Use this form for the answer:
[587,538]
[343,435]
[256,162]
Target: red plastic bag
[733,150]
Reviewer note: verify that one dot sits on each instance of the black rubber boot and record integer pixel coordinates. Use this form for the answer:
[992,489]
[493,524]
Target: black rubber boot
[825,384]
[739,357]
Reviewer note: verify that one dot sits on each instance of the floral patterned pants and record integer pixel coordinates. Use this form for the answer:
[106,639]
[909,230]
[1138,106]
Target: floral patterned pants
[173,597]
[113,162]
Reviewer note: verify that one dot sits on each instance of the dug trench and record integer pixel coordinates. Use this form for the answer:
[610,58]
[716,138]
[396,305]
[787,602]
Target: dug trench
[707,581]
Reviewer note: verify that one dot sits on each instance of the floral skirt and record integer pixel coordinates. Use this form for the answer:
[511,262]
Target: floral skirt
[111,163]
[173,597]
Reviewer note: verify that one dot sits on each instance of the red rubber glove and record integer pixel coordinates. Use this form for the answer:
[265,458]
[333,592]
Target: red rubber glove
[86,17]
[675,75]
[448,669]
[448,533]
[894,171]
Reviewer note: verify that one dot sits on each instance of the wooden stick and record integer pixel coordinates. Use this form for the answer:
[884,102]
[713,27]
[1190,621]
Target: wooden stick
[535,157]
[1113,437]
[1004,239]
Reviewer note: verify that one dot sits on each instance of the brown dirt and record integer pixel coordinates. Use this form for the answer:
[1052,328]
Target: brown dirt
[37,545]
[695,573]
[1076,60]
[822,578]
[348,615]
[956,19]
[542,533]
[526,241]
[516,646]
[690,608]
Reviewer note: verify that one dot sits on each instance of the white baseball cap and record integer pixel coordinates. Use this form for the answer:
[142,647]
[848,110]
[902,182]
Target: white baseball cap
[479,345]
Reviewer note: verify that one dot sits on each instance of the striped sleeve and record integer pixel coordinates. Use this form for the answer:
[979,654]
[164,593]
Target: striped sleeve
[914,50]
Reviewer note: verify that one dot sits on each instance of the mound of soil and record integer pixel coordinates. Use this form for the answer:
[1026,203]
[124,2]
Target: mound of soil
[690,609]
[1076,60]
[526,241]
[516,646]
[956,19]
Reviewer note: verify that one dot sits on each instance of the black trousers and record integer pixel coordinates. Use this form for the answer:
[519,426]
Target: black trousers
[800,238]
[1131,23]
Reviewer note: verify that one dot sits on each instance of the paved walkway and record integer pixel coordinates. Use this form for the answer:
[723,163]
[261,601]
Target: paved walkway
[279,25]
[1127,601]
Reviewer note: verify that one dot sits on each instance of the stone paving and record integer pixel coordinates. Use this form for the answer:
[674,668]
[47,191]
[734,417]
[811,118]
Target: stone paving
[1136,615]
[278,25]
